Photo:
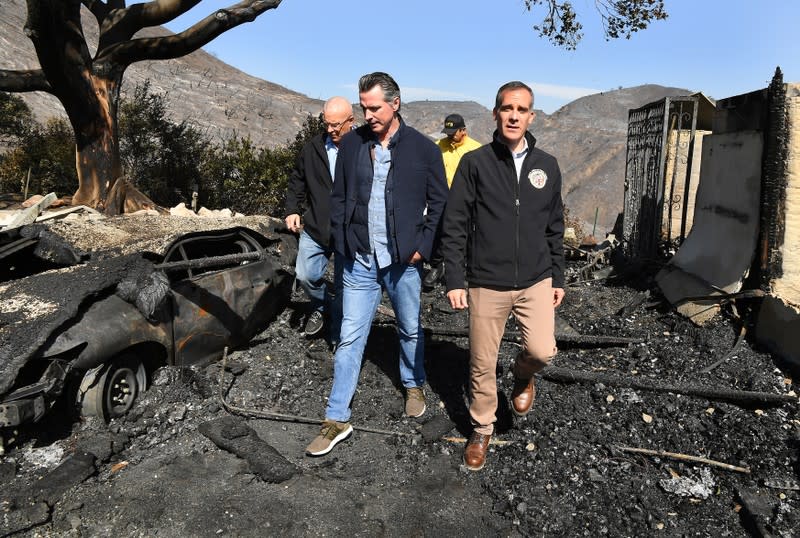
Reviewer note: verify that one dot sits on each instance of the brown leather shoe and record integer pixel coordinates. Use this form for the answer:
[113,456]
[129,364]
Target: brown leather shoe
[475,452]
[522,396]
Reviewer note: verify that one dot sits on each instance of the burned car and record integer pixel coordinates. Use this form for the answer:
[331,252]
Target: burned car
[90,335]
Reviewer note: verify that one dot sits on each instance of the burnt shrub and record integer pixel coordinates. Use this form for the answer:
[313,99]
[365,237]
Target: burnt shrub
[46,153]
[163,158]
[253,179]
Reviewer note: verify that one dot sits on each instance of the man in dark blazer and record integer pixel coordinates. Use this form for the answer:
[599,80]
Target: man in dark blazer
[388,197]
[309,186]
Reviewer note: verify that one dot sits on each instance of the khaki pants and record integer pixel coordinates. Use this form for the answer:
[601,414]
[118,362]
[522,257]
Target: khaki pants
[488,312]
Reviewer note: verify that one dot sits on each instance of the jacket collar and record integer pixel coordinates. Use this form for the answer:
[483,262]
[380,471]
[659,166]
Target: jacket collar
[502,150]
[368,136]
[317,142]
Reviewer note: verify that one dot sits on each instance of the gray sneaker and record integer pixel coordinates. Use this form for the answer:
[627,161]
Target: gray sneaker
[415,401]
[331,433]
[314,323]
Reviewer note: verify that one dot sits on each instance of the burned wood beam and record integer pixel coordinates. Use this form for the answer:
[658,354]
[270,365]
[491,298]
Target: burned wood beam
[756,512]
[235,436]
[17,245]
[585,340]
[722,296]
[749,398]
[211,261]
[682,457]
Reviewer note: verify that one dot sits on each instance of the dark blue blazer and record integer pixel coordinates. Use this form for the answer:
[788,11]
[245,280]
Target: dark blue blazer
[416,182]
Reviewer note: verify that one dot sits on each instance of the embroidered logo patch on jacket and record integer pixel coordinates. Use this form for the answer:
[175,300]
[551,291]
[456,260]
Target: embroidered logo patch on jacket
[537,177]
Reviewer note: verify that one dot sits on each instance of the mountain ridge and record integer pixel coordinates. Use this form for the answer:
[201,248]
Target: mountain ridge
[587,135]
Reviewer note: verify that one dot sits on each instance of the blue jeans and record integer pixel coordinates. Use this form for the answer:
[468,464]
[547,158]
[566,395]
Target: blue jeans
[362,294]
[312,261]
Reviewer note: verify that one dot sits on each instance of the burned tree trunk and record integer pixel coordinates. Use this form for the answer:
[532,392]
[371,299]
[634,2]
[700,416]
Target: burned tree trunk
[87,88]
[97,142]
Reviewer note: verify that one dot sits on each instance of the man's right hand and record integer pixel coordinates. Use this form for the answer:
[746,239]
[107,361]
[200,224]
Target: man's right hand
[458,299]
[293,223]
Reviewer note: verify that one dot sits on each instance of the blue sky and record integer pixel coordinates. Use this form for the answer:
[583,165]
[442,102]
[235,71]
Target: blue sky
[463,50]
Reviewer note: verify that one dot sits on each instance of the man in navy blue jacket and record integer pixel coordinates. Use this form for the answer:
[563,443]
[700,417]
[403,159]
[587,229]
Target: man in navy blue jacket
[388,197]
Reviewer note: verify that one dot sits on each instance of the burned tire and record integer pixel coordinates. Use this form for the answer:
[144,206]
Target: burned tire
[114,388]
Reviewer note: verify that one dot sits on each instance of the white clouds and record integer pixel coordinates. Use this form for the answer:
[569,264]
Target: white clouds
[564,94]
[567,93]
[548,96]
[432,94]
[412,93]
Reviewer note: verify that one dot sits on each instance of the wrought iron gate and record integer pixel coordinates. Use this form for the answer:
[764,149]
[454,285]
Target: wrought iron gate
[649,197]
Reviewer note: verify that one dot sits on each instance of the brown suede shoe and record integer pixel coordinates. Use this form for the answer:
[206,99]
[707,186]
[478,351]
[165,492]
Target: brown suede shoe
[475,452]
[522,396]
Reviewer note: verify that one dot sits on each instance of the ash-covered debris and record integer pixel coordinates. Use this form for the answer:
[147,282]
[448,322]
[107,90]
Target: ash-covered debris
[120,235]
[233,435]
[595,260]
[145,288]
[700,486]
[33,307]
[550,474]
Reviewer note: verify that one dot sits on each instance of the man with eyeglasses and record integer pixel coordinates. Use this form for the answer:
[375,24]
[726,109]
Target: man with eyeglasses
[387,174]
[310,185]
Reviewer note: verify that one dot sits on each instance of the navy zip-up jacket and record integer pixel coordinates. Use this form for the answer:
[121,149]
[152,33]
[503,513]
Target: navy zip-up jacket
[416,181]
[515,228]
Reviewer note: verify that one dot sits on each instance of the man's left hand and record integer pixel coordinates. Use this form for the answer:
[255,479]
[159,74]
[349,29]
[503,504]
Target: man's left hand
[558,296]
[415,258]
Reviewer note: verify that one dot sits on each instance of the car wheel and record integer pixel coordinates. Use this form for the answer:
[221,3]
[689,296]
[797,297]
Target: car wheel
[118,384]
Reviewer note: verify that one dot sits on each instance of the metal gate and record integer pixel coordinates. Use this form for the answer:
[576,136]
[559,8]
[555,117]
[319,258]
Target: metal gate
[649,196]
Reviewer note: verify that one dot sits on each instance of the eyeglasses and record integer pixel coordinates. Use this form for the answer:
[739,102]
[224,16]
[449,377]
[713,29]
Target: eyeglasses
[336,126]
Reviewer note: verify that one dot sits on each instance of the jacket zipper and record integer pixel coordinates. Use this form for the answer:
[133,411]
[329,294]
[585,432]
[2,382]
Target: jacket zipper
[516,228]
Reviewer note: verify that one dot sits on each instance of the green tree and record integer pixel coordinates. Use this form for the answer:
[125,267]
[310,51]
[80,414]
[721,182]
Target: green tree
[162,158]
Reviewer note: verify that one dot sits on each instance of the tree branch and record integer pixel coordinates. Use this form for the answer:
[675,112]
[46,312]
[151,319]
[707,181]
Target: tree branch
[620,18]
[159,12]
[682,457]
[98,8]
[561,24]
[30,80]
[175,46]
[120,24]
[54,27]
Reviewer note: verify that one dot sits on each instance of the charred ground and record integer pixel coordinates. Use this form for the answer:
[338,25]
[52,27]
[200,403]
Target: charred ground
[562,471]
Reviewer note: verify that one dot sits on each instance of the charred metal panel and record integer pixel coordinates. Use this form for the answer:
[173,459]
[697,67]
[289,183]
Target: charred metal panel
[745,112]
[647,198]
[108,327]
[224,308]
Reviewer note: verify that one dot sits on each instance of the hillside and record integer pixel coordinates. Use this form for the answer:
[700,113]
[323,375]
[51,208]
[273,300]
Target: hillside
[587,136]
